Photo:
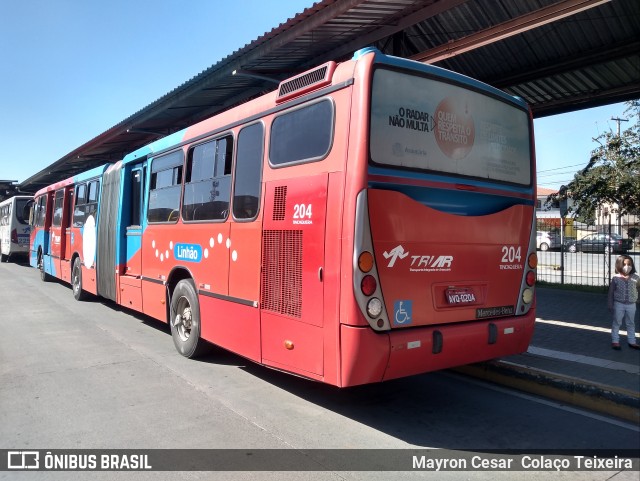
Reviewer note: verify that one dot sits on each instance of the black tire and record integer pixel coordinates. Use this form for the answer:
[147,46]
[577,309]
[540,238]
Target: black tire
[4,258]
[184,319]
[44,277]
[76,281]
[544,247]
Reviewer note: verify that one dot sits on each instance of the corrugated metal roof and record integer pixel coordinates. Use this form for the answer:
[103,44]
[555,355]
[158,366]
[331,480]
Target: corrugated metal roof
[586,59]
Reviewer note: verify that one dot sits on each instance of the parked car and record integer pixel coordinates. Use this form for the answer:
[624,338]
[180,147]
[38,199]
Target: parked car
[547,240]
[600,243]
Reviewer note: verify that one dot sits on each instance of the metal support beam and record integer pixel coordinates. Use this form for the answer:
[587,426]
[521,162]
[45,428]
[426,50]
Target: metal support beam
[504,30]
[563,65]
[586,100]
[248,73]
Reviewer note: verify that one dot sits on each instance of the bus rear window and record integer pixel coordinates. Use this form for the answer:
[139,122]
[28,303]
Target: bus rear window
[20,206]
[423,124]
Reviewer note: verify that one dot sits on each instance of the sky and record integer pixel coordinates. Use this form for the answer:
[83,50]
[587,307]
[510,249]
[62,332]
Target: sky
[70,70]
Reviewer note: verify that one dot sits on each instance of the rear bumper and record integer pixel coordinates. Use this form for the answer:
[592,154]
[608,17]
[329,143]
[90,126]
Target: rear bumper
[19,248]
[15,248]
[369,357]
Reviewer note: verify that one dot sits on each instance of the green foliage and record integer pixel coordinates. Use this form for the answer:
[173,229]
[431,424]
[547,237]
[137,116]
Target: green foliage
[612,176]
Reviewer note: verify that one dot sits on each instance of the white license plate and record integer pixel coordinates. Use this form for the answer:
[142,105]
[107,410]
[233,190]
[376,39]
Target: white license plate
[460,296]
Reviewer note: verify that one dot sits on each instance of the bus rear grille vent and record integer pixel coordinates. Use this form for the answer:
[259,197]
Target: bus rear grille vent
[282,272]
[306,82]
[299,83]
[280,202]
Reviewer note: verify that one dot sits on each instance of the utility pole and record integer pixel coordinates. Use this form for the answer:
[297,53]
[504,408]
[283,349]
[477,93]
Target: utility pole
[618,120]
[619,220]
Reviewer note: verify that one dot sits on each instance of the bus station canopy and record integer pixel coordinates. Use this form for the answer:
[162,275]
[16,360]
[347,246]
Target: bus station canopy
[559,55]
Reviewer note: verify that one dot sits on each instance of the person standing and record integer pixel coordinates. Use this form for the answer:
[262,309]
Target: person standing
[623,295]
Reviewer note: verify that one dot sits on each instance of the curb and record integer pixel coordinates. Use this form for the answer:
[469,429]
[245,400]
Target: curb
[609,400]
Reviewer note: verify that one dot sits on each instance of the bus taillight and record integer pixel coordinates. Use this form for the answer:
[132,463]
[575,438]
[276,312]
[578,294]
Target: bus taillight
[531,278]
[365,262]
[368,285]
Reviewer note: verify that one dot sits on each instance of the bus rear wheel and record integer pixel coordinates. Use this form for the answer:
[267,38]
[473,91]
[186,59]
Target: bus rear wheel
[185,320]
[43,275]
[76,281]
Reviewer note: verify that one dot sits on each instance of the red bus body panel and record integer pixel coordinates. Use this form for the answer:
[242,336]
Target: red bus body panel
[369,357]
[451,265]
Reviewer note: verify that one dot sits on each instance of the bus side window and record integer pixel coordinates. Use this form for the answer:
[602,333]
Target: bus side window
[246,189]
[93,189]
[78,212]
[136,197]
[69,208]
[57,208]
[42,211]
[164,191]
[207,188]
[302,135]
[33,215]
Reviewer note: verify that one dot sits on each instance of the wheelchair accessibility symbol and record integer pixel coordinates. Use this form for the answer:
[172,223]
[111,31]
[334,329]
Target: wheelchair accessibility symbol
[402,312]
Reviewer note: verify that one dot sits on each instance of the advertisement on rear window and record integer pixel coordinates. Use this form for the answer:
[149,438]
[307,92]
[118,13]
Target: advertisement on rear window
[420,123]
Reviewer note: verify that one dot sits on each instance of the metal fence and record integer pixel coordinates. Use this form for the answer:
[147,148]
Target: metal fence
[570,252]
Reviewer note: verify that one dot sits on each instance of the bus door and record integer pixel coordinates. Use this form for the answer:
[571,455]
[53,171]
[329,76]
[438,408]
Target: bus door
[131,280]
[56,229]
[66,224]
[292,293]
[38,238]
[61,230]
[45,221]
[133,257]
[243,335]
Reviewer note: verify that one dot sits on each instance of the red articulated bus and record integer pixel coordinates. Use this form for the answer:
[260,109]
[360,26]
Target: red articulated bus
[368,220]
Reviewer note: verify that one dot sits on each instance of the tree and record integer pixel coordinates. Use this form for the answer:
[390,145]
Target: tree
[612,175]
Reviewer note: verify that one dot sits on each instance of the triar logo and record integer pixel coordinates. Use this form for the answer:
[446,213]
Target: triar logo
[394,254]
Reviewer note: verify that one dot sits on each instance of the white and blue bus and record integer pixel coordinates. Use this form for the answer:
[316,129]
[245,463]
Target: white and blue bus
[14,227]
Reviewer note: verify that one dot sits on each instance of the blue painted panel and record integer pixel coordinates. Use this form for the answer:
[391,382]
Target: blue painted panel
[448,198]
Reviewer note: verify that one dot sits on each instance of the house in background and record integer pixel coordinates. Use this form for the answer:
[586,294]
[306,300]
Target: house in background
[541,195]
[609,220]
[548,216]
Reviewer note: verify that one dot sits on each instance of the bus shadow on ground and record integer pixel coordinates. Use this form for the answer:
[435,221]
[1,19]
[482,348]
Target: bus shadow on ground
[445,410]
[435,410]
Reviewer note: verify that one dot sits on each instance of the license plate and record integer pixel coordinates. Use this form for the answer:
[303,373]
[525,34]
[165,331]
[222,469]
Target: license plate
[460,296]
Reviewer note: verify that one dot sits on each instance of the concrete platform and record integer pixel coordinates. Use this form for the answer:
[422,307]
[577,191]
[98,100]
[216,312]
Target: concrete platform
[570,358]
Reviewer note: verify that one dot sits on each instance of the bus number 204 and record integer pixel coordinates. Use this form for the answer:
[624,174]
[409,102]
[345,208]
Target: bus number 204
[511,254]
[302,211]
